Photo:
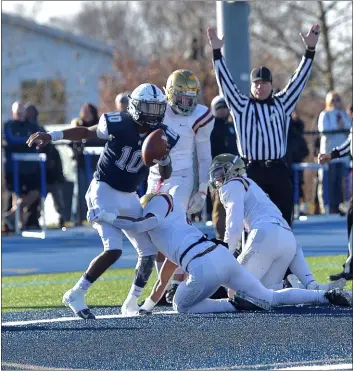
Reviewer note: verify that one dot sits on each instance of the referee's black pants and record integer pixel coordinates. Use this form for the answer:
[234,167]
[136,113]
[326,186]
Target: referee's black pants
[274,178]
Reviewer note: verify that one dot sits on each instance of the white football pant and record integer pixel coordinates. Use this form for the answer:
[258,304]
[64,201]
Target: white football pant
[219,268]
[268,251]
[101,195]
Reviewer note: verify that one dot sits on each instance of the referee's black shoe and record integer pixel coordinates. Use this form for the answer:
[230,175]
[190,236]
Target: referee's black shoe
[337,276]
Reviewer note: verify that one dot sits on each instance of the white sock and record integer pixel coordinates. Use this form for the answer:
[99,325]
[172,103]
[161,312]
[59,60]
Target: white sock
[158,266]
[300,267]
[298,296]
[135,291]
[82,284]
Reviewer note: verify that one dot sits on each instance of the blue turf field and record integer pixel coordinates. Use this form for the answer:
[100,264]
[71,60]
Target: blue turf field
[286,337]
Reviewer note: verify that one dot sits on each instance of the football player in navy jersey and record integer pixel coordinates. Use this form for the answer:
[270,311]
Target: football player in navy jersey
[120,170]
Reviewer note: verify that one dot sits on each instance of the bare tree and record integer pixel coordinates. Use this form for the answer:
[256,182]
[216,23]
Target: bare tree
[276,32]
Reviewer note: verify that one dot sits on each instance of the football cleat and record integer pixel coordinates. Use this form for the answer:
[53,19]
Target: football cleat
[130,306]
[144,312]
[241,301]
[339,284]
[75,300]
[339,297]
[169,296]
[86,314]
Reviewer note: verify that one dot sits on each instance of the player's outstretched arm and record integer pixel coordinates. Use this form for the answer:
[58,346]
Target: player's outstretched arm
[137,225]
[74,134]
[160,286]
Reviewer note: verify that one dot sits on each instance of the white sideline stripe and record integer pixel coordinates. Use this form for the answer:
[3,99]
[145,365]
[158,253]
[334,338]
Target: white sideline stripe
[68,319]
[341,366]
[20,366]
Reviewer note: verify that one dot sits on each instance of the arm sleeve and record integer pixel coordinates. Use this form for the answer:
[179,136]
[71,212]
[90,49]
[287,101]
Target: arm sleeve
[144,225]
[234,206]
[236,101]
[289,96]
[160,206]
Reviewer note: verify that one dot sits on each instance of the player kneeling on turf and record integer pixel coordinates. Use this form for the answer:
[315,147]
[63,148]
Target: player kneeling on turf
[271,246]
[209,265]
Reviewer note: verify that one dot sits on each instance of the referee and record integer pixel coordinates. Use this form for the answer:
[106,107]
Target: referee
[343,150]
[261,120]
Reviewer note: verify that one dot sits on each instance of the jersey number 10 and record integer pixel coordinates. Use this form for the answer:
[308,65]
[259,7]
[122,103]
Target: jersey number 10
[131,165]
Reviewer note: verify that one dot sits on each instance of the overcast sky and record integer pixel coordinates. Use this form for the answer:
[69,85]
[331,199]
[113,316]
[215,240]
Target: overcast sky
[46,9]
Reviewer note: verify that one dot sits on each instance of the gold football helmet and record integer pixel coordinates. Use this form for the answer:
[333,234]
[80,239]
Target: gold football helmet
[225,167]
[182,90]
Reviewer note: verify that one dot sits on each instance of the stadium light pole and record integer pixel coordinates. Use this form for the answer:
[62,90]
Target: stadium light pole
[232,22]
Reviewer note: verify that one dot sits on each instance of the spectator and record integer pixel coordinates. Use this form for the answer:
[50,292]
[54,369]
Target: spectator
[88,117]
[223,140]
[342,150]
[297,149]
[16,132]
[333,124]
[54,174]
[122,102]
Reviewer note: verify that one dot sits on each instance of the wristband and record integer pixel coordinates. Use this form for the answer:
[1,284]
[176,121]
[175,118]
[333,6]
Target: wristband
[163,162]
[56,135]
[148,305]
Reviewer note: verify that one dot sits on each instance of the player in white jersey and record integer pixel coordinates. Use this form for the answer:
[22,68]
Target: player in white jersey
[194,123]
[271,246]
[208,264]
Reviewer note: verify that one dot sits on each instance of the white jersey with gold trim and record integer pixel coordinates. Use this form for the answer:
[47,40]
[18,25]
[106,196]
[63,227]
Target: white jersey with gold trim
[196,127]
[173,234]
[246,205]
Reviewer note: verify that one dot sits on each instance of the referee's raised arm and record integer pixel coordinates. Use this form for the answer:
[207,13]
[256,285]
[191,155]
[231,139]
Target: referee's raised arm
[236,101]
[289,96]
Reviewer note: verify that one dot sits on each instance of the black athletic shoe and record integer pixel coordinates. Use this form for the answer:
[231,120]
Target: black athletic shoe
[339,297]
[242,302]
[337,276]
[86,314]
[170,293]
[144,312]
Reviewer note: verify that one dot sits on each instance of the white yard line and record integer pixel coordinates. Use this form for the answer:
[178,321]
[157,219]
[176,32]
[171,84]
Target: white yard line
[69,319]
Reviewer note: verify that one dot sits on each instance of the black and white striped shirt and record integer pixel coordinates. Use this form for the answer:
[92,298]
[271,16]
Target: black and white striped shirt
[262,126]
[344,148]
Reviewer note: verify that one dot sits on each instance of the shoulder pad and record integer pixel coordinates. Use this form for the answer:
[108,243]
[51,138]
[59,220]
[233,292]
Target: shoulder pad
[242,180]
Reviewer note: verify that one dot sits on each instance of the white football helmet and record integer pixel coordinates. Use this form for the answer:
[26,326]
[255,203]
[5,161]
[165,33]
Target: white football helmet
[147,105]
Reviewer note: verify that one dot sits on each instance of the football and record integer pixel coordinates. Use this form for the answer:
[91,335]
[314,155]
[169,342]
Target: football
[154,147]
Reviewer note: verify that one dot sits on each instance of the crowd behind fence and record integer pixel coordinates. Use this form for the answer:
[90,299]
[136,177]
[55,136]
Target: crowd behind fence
[305,187]
[65,169]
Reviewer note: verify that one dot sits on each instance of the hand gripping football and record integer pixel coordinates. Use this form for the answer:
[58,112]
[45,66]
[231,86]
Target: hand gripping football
[154,147]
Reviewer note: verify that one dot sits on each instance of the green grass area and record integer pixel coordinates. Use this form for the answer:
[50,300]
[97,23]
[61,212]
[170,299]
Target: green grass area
[44,291]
